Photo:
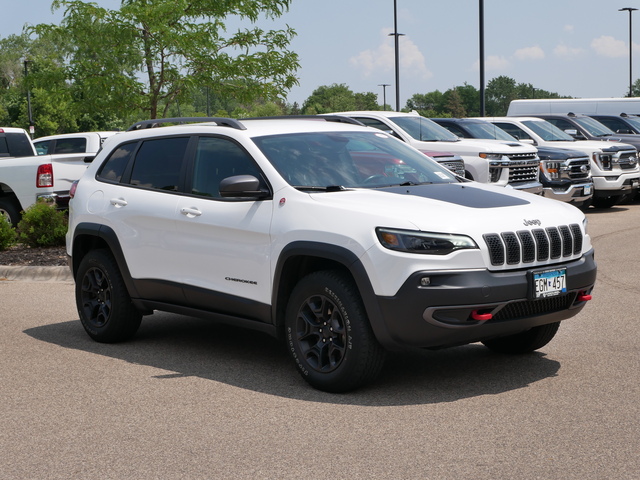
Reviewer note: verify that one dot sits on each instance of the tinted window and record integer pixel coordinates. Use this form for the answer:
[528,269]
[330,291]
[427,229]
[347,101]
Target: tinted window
[71,145]
[4,148]
[514,131]
[19,145]
[42,148]
[561,124]
[113,169]
[217,159]
[158,163]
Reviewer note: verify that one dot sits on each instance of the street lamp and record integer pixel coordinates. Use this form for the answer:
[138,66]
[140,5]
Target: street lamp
[396,35]
[26,72]
[630,10]
[481,31]
[384,94]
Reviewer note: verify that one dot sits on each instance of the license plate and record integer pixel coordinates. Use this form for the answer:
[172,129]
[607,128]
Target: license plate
[587,190]
[549,283]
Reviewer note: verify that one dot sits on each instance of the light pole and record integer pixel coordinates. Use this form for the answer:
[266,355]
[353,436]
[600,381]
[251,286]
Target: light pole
[26,72]
[630,10]
[481,30]
[396,35]
[384,94]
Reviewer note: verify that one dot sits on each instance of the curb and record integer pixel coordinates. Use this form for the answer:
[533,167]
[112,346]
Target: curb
[35,274]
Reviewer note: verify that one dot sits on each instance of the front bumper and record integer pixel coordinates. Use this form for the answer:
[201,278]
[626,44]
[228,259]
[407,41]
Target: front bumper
[441,314]
[577,193]
[608,185]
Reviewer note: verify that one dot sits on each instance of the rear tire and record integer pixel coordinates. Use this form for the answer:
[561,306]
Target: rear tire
[9,210]
[328,333]
[524,342]
[104,305]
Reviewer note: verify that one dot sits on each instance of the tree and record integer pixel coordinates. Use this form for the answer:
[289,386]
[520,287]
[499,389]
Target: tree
[152,54]
[454,103]
[338,98]
[499,93]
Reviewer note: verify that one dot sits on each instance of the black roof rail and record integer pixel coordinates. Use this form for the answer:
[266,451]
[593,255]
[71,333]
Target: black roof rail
[326,118]
[222,121]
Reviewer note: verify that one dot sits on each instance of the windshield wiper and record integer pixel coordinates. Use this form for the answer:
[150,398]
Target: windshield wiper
[328,188]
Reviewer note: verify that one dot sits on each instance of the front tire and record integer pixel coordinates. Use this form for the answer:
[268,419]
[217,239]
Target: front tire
[328,333]
[524,342]
[103,302]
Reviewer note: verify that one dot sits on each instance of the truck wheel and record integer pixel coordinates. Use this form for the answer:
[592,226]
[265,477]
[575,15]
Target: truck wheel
[9,211]
[524,342]
[103,303]
[328,333]
[606,202]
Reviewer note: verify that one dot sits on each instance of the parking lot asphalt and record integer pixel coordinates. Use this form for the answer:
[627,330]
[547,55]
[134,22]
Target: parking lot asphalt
[190,399]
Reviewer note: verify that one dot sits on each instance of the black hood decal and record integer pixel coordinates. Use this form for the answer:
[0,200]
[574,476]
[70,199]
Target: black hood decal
[464,195]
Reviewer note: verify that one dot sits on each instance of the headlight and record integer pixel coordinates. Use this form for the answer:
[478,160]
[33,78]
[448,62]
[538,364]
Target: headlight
[423,242]
[491,156]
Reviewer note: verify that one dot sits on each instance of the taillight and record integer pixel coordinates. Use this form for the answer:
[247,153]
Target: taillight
[44,177]
[72,190]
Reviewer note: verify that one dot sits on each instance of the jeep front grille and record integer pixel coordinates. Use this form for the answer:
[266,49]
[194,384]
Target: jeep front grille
[541,245]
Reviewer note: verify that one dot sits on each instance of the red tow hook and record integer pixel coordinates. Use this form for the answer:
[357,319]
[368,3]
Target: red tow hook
[481,317]
[583,297]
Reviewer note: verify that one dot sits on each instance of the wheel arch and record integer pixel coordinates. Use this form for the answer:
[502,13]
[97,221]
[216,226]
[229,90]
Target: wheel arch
[92,236]
[298,259]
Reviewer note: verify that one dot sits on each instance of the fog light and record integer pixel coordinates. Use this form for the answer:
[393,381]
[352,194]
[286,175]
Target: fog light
[425,281]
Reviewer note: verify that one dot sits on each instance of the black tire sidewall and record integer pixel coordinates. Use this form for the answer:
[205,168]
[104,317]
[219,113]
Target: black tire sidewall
[13,211]
[361,346]
[123,319]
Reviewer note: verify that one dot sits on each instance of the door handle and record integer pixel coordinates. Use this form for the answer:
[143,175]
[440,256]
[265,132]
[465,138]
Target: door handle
[118,202]
[190,212]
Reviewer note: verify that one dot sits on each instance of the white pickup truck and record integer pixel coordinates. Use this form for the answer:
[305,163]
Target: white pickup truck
[45,168]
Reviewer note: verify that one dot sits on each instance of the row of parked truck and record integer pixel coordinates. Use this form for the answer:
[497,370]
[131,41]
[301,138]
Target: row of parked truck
[570,157]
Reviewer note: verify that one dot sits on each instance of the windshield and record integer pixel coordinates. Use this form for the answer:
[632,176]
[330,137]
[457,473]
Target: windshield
[489,131]
[547,131]
[635,121]
[332,160]
[424,129]
[594,127]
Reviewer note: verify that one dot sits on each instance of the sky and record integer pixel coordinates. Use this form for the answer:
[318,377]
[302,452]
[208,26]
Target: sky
[578,48]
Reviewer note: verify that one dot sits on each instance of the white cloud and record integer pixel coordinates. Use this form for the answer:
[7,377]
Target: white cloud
[568,28]
[564,51]
[383,57]
[492,63]
[608,46]
[529,53]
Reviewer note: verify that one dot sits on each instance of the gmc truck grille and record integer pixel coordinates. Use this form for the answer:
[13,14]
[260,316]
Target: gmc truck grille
[456,166]
[541,245]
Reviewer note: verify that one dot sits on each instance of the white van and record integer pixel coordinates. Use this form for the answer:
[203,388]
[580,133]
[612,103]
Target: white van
[586,106]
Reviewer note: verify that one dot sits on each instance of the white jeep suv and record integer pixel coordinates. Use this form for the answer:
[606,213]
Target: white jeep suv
[338,238]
